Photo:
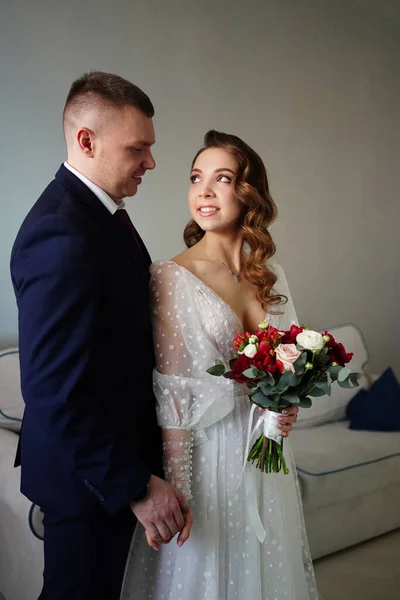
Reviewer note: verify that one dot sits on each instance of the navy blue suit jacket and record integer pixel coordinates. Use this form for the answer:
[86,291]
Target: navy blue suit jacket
[89,432]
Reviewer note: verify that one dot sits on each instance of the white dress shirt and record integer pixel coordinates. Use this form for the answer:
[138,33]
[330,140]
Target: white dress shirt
[101,194]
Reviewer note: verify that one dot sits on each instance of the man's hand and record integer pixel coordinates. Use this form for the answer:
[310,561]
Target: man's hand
[162,511]
[182,537]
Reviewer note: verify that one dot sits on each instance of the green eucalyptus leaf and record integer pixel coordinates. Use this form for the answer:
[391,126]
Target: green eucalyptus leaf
[291,397]
[262,400]
[316,392]
[283,383]
[268,380]
[354,377]
[325,386]
[305,402]
[345,384]
[334,372]
[300,363]
[217,370]
[343,373]
[252,373]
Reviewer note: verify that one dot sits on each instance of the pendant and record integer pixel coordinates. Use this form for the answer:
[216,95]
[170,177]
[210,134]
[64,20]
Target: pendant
[235,275]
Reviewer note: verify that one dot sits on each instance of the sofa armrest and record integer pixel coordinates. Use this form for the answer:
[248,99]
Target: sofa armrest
[21,553]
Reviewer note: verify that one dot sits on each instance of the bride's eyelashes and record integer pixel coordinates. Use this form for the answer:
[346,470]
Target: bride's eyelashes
[220,178]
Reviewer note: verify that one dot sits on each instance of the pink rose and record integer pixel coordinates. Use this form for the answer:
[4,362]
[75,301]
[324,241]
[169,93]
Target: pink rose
[287,354]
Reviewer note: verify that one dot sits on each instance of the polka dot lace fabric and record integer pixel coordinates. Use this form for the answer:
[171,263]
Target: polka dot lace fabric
[205,421]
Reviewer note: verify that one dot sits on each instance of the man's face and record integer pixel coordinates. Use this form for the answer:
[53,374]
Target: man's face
[123,153]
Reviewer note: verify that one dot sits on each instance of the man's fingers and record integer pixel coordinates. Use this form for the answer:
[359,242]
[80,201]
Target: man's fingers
[163,530]
[152,530]
[173,525]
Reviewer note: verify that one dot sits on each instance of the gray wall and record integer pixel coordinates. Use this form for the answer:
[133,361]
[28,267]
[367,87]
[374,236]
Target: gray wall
[313,85]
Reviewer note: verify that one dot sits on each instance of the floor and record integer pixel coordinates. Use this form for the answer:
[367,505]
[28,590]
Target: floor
[369,571]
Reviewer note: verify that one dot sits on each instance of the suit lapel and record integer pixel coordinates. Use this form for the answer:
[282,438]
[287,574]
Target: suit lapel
[107,220]
[121,236]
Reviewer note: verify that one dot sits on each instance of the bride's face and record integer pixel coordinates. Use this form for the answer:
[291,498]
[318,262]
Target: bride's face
[212,200]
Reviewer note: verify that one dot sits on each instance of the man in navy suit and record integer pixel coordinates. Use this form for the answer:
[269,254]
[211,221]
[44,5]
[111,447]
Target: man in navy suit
[90,447]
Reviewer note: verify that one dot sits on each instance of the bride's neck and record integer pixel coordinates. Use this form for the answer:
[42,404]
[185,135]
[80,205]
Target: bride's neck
[227,247]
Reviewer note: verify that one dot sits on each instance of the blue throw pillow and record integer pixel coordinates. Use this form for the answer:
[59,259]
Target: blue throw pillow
[377,409]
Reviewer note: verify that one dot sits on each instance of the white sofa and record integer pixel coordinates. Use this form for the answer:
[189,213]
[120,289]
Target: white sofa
[350,480]
[21,552]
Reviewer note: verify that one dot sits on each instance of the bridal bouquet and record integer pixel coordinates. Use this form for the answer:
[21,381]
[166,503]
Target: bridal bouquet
[282,369]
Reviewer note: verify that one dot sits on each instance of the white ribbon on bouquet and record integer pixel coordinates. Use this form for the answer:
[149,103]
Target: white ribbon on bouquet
[269,422]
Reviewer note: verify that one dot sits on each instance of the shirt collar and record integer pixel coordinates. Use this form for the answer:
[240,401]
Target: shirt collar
[97,191]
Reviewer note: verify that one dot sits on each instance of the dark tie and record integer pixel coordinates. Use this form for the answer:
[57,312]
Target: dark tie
[126,222]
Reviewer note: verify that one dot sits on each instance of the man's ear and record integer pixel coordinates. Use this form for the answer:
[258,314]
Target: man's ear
[86,141]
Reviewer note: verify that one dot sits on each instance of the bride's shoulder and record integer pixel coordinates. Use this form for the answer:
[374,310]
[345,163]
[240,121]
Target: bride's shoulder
[161,268]
[281,285]
[168,269]
[276,268]
[186,261]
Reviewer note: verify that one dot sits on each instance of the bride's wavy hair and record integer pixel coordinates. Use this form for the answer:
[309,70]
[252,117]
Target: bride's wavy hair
[258,213]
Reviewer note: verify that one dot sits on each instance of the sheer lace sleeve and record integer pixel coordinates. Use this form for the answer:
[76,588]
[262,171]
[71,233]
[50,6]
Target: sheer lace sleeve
[188,398]
[289,316]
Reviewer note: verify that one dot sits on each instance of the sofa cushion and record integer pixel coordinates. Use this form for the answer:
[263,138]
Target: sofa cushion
[369,409]
[11,402]
[327,409]
[335,463]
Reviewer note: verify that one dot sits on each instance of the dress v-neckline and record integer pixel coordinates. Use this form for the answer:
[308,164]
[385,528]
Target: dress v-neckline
[213,292]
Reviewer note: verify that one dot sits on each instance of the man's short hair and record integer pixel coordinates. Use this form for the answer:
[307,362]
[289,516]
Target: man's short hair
[97,87]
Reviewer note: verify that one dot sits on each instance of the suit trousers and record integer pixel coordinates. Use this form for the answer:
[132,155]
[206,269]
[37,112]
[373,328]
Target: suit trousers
[85,556]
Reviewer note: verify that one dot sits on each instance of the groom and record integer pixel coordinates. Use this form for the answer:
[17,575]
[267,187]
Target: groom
[90,448]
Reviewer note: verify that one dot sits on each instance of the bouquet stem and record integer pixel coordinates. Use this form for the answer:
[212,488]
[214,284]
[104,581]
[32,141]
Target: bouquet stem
[268,455]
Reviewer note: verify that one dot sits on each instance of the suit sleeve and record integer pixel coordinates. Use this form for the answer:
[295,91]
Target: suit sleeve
[58,294]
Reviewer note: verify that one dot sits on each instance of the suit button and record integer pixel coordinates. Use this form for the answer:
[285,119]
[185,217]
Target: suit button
[101,497]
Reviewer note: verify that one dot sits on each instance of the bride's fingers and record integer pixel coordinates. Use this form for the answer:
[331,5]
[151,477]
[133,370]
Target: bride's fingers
[185,533]
[151,542]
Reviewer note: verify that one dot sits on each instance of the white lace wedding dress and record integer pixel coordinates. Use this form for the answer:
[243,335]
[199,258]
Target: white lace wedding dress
[223,559]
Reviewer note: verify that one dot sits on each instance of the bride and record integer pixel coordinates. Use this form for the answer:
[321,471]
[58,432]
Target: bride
[248,539]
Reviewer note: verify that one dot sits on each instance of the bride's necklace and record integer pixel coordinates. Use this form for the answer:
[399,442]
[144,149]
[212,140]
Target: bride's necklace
[236,276]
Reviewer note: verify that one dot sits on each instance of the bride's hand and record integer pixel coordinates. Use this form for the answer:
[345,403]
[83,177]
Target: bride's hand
[182,537]
[286,419]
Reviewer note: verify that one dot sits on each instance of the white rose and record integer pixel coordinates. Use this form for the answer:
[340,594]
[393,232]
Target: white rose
[310,340]
[250,350]
[287,354]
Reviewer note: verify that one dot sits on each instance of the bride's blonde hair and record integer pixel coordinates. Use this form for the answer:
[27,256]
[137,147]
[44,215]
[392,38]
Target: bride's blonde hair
[258,212]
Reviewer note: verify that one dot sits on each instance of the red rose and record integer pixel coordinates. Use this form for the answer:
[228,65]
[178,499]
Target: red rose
[269,360]
[338,353]
[262,334]
[291,335]
[276,368]
[241,364]
[273,335]
[264,347]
